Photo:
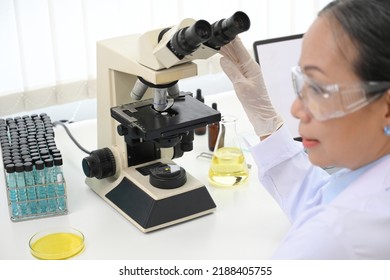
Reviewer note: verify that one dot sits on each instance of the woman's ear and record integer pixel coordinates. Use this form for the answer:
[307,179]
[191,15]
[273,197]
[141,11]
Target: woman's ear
[387,116]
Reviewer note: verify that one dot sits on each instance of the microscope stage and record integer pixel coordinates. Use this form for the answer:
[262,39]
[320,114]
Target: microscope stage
[143,121]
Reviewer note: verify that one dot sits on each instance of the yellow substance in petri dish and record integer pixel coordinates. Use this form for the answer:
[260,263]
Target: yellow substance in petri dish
[57,246]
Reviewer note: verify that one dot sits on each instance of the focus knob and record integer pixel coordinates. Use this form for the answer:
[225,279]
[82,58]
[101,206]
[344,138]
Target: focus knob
[100,164]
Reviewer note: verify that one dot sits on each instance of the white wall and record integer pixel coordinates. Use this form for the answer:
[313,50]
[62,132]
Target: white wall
[47,49]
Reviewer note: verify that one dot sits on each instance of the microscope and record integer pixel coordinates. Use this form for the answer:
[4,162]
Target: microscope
[145,122]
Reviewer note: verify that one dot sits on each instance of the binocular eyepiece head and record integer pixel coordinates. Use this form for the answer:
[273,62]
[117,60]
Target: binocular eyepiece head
[188,39]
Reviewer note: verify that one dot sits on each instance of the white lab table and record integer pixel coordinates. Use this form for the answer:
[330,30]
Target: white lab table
[247,223]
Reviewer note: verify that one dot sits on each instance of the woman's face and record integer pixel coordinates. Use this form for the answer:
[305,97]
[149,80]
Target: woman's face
[352,140]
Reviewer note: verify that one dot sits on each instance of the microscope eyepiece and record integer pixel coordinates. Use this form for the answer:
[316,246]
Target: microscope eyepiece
[188,39]
[225,30]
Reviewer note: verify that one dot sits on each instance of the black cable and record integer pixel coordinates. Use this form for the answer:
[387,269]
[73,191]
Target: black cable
[71,136]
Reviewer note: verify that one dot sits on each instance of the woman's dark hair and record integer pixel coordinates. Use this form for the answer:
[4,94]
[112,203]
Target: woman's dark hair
[367,25]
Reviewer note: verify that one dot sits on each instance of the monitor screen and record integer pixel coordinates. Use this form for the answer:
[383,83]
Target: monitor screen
[277,56]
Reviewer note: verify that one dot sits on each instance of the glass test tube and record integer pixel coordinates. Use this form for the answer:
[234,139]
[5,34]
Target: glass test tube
[21,189]
[51,188]
[40,180]
[60,183]
[30,186]
[13,195]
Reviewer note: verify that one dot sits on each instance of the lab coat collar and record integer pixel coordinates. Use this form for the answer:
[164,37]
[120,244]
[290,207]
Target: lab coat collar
[373,181]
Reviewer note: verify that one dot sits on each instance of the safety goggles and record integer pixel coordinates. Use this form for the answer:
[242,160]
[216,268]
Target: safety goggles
[328,101]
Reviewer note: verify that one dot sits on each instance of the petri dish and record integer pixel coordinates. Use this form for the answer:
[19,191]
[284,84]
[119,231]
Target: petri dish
[57,243]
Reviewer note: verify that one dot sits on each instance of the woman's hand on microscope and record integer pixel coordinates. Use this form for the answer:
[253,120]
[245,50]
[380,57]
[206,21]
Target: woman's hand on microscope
[249,86]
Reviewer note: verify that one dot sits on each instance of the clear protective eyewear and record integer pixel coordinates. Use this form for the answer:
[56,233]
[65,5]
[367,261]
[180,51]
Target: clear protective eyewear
[328,101]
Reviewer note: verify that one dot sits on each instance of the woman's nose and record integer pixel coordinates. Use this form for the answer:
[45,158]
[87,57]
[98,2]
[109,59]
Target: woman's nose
[299,111]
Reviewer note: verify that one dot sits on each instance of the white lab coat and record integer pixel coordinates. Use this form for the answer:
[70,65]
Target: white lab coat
[354,225]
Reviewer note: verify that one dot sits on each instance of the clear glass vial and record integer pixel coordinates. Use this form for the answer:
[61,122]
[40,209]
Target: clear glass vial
[60,190]
[228,166]
[50,178]
[21,190]
[39,177]
[12,189]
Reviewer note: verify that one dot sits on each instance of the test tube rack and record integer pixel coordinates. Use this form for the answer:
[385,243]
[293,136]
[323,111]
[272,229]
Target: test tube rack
[33,173]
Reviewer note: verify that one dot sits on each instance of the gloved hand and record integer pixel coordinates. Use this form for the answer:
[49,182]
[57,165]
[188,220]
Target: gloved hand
[248,83]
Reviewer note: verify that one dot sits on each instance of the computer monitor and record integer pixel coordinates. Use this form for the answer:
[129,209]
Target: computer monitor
[277,56]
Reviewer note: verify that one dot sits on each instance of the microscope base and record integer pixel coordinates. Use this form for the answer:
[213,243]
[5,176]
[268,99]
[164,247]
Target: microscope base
[150,208]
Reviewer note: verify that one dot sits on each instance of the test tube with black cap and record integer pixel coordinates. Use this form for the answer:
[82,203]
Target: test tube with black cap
[30,187]
[60,190]
[50,181]
[39,177]
[21,189]
[12,189]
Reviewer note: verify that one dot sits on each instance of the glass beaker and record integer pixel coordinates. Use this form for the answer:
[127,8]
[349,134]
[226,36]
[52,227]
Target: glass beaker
[228,166]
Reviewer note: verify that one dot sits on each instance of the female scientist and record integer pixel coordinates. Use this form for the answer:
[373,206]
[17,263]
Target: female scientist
[343,105]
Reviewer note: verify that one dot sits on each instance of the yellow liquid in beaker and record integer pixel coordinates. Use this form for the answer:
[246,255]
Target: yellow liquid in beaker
[57,246]
[228,168]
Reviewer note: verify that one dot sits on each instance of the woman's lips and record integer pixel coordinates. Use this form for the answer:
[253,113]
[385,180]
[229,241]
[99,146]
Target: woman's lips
[310,143]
